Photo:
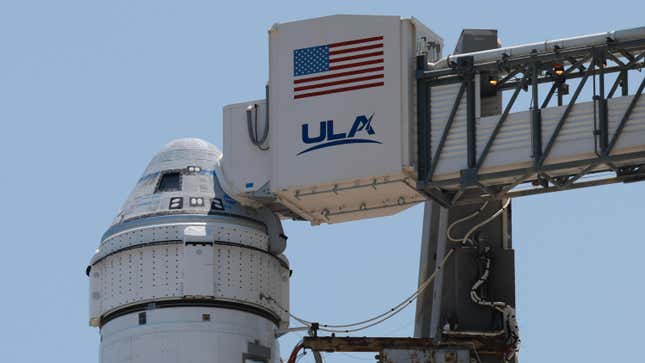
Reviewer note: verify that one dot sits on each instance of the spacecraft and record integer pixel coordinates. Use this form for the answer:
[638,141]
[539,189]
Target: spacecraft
[179,274]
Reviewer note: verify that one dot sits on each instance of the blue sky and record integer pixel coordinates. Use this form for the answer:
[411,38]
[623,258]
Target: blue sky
[90,90]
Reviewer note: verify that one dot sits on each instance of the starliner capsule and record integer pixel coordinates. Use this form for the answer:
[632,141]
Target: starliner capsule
[184,271]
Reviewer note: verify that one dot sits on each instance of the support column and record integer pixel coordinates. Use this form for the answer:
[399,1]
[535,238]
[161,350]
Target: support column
[435,219]
[445,310]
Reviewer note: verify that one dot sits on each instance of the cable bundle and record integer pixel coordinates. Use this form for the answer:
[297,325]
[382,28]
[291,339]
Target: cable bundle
[511,326]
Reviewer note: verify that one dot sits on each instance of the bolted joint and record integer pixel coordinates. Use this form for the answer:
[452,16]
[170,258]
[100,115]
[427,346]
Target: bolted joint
[422,62]
[600,56]
[468,177]
[465,66]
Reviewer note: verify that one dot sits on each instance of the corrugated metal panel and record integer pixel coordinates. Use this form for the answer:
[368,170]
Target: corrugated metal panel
[512,146]
[633,135]
[576,139]
[453,153]
[514,134]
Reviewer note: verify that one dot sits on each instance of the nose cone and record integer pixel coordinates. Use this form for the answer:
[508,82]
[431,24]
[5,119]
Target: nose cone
[183,273]
[180,179]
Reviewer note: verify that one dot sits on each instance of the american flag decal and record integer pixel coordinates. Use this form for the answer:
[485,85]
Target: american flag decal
[338,67]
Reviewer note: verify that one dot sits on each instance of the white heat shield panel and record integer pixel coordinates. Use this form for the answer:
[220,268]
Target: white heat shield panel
[198,270]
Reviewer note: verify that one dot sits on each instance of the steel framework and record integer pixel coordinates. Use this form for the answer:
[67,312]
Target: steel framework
[525,74]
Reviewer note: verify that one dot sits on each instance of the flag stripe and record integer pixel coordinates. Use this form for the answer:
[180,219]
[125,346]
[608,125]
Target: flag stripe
[349,50]
[357,41]
[335,90]
[357,56]
[357,64]
[341,74]
[338,67]
[335,83]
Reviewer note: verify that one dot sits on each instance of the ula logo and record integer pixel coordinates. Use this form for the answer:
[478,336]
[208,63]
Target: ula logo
[327,137]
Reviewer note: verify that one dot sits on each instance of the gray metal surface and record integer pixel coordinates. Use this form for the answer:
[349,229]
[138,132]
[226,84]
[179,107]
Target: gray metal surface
[445,311]
[598,39]
[433,249]
[484,349]
[467,140]
[426,267]
[475,40]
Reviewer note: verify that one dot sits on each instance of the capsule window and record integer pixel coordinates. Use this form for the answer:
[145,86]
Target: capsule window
[169,182]
[142,318]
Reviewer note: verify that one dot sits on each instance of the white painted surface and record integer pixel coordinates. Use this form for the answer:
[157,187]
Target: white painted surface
[147,270]
[173,335]
[247,168]
[353,168]
[214,253]
[198,270]
[335,184]
[341,162]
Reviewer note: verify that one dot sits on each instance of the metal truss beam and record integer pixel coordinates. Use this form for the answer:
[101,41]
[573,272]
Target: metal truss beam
[517,74]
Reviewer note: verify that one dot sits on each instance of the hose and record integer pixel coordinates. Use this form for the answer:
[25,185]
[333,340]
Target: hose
[508,312]
[486,221]
[294,352]
[362,325]
[252,127]
[472,215]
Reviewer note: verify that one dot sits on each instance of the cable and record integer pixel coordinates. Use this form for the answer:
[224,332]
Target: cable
[508,312]
[294,353]
[361,325]
[253,131]
[485,222]
[472,215]
[396,309]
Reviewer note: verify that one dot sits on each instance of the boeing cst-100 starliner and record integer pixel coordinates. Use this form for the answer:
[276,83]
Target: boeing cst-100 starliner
[178,276]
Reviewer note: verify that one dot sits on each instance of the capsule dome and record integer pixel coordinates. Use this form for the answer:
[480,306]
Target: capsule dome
[181,179]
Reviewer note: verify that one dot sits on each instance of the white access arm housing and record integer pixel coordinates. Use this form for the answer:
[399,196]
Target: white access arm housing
[365,81]
[342,120]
